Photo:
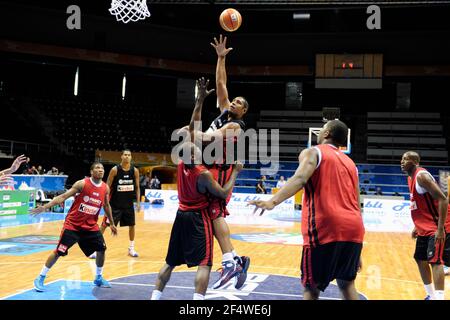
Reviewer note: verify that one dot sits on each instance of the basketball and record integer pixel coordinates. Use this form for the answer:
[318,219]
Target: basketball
[230,20]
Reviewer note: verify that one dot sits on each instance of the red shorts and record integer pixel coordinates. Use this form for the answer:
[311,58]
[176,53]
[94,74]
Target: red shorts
[218,207]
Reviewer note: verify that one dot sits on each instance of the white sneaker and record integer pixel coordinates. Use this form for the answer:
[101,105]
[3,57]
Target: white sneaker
[446,270]
[93,256]
[132,253]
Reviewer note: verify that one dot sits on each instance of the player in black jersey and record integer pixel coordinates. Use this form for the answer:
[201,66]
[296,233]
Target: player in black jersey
[123,181]
[228,125]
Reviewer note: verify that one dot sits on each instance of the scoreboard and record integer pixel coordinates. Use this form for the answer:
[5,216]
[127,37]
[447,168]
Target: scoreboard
[349,71]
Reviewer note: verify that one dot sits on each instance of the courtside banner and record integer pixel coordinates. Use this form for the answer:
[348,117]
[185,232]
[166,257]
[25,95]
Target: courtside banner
[239,211]
[387,215]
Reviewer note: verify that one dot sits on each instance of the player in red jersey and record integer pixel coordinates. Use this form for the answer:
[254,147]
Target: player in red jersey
[191,240]
[332,225]
[429,207]
[80,225]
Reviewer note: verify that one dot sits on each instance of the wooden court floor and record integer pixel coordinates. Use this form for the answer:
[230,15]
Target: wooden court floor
[389,271]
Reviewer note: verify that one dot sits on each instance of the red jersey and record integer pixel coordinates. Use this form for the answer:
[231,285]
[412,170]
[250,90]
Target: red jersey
[424,209]
[188,196]
[330,210]
[83,214]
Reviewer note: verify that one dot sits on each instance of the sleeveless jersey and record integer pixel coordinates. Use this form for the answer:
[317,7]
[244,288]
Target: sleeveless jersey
[218,123]
[190,199]
[424,209]
[123,188]
[83,214]
[330,211]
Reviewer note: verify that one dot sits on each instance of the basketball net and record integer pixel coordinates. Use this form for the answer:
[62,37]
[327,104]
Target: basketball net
[129,10]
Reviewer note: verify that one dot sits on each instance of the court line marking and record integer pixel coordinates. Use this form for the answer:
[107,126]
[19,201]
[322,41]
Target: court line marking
[25,290]
[222,291]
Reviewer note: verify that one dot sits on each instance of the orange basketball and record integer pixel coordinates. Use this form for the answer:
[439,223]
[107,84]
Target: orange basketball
[230,20]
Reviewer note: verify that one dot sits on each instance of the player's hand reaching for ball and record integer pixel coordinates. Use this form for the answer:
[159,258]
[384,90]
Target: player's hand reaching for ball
[220,46]
[202,89]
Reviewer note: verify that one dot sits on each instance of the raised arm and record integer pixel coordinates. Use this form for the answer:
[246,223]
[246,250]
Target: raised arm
[223,101]
[15,165]
[76,188]
[202,93]
[308,162]
[206,183]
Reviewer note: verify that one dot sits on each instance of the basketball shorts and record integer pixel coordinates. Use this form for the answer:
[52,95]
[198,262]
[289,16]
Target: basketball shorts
[427,250]
[126,217]
[324,263]
[191,240]
[218,207]
[88,241]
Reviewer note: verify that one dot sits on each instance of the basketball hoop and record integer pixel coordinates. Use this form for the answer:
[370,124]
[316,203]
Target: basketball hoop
[129,10]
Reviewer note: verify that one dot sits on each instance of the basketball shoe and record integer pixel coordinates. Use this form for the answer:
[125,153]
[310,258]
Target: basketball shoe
[230,269]
[101,282]
[244,262]
[39,283]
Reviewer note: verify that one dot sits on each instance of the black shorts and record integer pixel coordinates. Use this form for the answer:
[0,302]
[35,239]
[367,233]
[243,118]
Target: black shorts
[427,250]
[126,217]
[88,241]
[336,260]
[191,239]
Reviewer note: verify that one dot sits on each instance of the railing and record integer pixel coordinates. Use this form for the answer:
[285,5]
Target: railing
[11,148]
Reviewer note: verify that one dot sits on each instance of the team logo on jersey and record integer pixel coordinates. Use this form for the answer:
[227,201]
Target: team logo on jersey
[128,181]
[62,248]
[86,198]
[85,208]
[125,188]
[96,194]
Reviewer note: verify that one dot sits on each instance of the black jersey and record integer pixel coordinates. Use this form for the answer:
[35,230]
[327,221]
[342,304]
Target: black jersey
[123,190]
[222,120]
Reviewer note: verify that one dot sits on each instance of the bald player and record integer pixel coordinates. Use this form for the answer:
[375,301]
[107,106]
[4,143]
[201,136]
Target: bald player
[429,207]
[332,225]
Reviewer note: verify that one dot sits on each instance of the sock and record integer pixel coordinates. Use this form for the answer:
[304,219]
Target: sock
[156,295]
[198,296]
[227,256]
[44,271]
[99,271]
[131,244]
[430,290]
[439,294]
[234,253]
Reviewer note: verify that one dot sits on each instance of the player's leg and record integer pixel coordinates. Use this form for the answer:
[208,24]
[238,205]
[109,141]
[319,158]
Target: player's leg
[437,266]
[67,240]
[421,258]
[174,257]
[201,282]
[311,293]
[233,266]
[348,289]
[93,241]
[129,219]
[348,257]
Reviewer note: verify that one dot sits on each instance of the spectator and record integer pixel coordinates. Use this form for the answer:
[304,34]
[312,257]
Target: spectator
[25,168]
[54,171]
[378,192]
[261,185]
[362,191]
[281,182]
[145,182]
[33,170]
[40,170]
[155,183]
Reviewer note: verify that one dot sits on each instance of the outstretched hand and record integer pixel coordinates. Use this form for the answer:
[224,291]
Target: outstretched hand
[263,205]
[37,210]
[220,46]
[17,162]
[202,88]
